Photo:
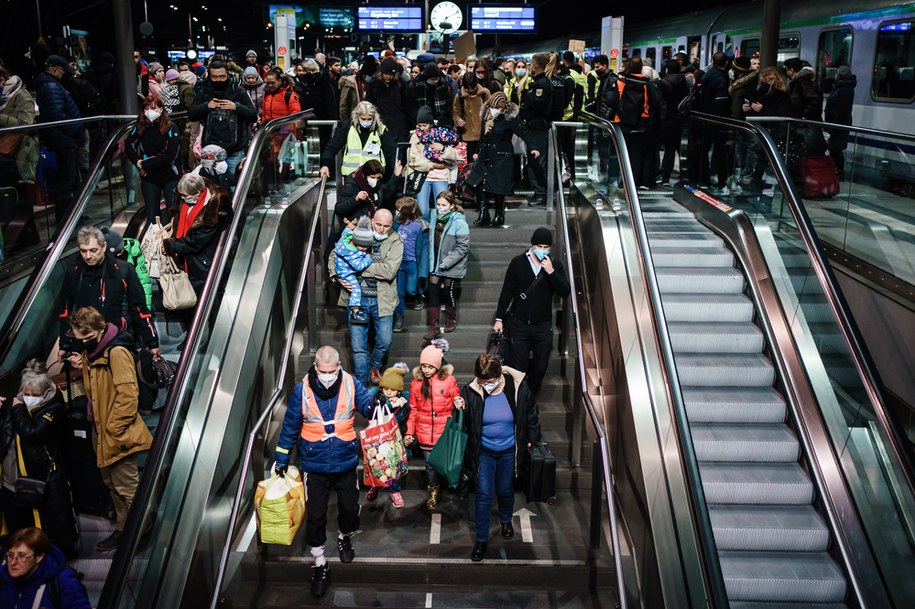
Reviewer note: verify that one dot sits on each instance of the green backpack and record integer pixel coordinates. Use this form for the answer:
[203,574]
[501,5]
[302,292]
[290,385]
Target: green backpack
[135,257]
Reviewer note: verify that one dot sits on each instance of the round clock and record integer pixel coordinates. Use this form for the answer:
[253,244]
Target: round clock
[446,17]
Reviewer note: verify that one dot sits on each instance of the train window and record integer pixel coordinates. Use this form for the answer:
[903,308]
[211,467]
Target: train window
[652,54]
[833,52]
[695,48]
[635,53]
[748,46]
[893,66]
[667,52]
[788,47]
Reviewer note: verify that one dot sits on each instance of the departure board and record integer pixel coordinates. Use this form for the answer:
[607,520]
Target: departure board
[399,18]
[502,18]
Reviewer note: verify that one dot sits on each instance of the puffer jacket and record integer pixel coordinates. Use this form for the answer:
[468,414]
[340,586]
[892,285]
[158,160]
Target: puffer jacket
[428,416]
[454,248]
[56,104]
[20,594]
[114,397]
[282,103]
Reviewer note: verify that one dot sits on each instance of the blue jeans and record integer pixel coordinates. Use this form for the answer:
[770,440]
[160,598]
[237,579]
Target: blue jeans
[359,340]
[233,161]
[495,477]
[429,189]
[407,276]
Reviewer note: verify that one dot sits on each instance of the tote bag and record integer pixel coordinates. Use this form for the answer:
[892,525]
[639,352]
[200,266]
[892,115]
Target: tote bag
[279,503]
[177,291]
[447,457]
[383,449]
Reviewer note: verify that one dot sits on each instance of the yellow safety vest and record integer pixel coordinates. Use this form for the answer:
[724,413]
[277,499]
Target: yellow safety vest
[581,82]
[355,154]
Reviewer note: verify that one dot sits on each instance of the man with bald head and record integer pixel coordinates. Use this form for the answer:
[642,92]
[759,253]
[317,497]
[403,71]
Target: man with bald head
[379,298]
[320,416]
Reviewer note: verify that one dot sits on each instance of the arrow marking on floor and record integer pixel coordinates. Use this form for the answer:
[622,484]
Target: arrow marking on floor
[524,515]
[429,596]
[435,533]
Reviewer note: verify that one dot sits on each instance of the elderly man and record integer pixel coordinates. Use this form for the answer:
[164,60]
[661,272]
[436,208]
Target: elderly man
[322,424]
[379,298]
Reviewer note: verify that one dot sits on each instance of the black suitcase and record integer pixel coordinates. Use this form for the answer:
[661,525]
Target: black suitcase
[541,477]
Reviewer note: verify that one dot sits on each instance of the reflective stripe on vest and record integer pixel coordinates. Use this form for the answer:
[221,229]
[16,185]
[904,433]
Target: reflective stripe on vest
[355,154]
[314,427]
[620,85]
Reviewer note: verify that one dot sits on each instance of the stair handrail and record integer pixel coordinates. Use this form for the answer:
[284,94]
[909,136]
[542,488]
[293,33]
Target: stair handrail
[278,391]
[893,135]
[70,122]
[700,515]
[130,537]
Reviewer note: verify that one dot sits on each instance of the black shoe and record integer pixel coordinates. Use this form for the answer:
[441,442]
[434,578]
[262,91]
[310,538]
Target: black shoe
[345,546]
[499,220]
[418,303]
[320,580]
[482,219]
[109,543]
[479,549]
[508,531]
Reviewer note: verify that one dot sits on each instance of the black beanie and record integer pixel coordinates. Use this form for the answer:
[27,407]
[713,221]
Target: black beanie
[542,236]
[424,115]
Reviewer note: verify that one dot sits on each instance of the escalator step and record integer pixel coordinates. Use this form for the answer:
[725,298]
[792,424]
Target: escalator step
[668,240]
[745,443]
[715,337]
[698,308]
[763,605]
[708,257]
[734,405]
[755,484]
[782,577]
[699,280]
[724,370]
[682,226]
[769,529]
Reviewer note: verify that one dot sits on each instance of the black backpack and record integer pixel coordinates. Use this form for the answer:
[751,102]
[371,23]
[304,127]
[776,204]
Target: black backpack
[222,129]
[633,102]
[559,100]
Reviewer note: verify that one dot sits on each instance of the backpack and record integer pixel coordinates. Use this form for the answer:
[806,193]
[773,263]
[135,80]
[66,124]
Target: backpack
[222,129]
[135,256]
[633,104]
[87,98]
[559,99]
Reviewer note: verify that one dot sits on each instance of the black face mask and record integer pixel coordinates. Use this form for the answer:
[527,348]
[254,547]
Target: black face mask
[221,85]
[764,88]
[90,344]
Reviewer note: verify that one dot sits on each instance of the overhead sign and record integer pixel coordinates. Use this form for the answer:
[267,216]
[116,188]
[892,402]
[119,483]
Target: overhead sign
[403,18]
[503,18]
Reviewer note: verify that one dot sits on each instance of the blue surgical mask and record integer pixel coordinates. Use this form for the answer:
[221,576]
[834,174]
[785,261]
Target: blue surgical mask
[541,254]
[520,73]
[365,124]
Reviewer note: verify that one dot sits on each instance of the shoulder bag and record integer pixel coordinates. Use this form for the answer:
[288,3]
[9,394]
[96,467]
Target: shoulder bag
[177,291]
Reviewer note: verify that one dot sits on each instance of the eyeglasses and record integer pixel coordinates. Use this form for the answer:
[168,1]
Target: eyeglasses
[12,556]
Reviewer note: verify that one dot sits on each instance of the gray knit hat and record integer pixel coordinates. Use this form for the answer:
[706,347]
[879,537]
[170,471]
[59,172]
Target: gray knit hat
[362,234]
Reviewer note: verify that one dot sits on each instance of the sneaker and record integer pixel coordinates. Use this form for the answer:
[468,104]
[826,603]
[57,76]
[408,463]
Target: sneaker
[397,500]
[320,580]
[109,543]
[358,317]
[398,324]
[418,303]
[371,494]
[345,547]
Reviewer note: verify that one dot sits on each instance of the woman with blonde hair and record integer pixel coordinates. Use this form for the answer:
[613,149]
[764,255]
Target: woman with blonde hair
[363,138]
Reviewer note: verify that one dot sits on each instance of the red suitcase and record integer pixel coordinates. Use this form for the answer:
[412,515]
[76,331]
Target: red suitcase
[819,176]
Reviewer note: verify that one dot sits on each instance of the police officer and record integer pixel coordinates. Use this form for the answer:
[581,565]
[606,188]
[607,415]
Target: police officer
[536,104]
[320,416]
[576,83]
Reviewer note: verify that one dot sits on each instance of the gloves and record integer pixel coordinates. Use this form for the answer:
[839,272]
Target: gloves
[281,470]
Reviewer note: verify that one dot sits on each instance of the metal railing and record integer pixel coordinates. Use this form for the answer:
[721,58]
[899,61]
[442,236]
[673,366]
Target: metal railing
[69,122]
[130,537]
[823,125]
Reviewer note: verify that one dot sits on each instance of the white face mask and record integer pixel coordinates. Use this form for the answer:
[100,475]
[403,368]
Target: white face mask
[495,112]
[327,379]
[373,182]
[378,236]
[31,401]
[365,124]
[490,386]
[221,167]
[152,115]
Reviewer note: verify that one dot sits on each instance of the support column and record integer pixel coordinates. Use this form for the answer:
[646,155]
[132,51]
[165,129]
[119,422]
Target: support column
[123,53]
[772,10]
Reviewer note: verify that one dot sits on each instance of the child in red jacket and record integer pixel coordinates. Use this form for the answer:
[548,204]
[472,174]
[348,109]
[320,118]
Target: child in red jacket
[434,393]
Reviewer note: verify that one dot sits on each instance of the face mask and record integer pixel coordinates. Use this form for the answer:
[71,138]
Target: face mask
[365,124]
[373,182]
[90,344]
[490,386]
[31,401]
[520,73]
[443,214]
[495,112]
[327,379]
[190,200]
[480,76]
[378,236]
[221,167]
[220,86]
[152,115]
[541,254]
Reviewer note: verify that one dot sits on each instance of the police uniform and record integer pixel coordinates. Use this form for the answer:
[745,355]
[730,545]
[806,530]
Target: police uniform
[535,112]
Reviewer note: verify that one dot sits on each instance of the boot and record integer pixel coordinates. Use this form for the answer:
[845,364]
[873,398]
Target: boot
[483,218]
[450,318]
[432,501]
[433,315]
[499,218]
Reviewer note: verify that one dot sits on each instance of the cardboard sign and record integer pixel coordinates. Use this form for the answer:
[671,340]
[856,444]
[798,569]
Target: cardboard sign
[577,46]
[464,47]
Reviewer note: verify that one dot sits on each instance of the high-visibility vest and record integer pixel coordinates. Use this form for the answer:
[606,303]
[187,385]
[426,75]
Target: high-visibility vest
[581,82]
[355,154]
[314,427]
[620,85]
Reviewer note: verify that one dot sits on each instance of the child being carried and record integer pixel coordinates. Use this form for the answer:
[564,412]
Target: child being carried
[352,257]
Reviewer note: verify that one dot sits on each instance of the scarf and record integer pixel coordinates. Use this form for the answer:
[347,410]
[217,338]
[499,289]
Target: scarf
[189,213]
[111,331]
[363,184]
[496,100]
[440,135]
[13,84]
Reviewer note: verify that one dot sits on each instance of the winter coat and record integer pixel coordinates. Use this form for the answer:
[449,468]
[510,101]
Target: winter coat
[114,396]
[417,157]
[349,262]
[740,90]
[394,104]
[185,95]
[158,152]
[282,103]
[244,110]
[333,455]
[255,93]
[437,97]
[454,248]
[15,594]
[41,434]
[715,97]
[527,423]
[337,144]
[428,416]
[351,93]
[316,92]
[348,207]
[198,247]
[494,166]
[469,106]
[806,99]
[838,110]
[115,290]
[629,123]
[674,89]
[20,110]
[384,271]
[56,104]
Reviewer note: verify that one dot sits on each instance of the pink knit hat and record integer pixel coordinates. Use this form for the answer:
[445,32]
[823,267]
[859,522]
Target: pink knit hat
[431,355]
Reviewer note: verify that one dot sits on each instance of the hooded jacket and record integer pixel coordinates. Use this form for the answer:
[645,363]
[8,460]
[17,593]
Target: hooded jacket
[741,89]
[16,594]
[283,102]
[198,246]
[454,248]
[255,93]
[428,415]
[384,272]
[806,99]
[840,101]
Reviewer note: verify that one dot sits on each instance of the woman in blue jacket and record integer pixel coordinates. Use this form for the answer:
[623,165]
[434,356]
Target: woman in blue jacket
[35,574]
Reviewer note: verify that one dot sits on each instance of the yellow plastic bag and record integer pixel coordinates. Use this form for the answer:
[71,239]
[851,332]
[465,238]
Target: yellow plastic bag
[279,503]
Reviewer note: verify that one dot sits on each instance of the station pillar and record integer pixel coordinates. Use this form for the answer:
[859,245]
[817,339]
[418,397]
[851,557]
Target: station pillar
[123,53]
[772,12]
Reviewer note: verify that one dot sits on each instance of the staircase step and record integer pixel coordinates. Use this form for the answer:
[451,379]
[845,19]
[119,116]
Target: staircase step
[725,370]
[745,443]
[782,577]
[729,337]
[769,529]
[734,405]
[700,308]
[699,280]
[755,484]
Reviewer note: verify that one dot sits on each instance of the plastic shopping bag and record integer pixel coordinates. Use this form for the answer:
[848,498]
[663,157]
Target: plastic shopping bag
[279,503]
[385,456]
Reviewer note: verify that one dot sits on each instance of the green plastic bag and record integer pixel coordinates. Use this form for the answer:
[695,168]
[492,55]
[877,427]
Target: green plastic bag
[447,456]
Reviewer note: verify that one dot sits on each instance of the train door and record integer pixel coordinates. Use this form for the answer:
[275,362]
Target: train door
[833,51]
[694,49]
[748,47]
[789,45]
[651,53]
[682,45]
[721,43]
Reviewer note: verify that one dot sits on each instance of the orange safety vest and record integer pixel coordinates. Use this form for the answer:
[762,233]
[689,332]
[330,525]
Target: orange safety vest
[620,85]
[314,427]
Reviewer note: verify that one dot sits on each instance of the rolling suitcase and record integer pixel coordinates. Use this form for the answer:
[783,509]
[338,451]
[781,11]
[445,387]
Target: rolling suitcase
[541,478]
[820,177]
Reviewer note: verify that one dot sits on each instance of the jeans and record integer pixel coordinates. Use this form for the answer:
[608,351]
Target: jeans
[407,278]
[359,340]
[233,161]
[152,195]
[495,477]
[427,190]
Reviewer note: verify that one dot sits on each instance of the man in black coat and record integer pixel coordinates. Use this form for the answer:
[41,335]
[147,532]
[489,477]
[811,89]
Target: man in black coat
[392,99]
[525,309]
[715,100]
[838,111]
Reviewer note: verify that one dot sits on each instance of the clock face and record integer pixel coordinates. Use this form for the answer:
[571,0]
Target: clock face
[446,17]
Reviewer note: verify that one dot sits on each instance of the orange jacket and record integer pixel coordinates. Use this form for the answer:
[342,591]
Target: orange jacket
[282,103]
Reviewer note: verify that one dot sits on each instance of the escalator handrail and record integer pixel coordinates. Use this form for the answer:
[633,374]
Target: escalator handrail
[70,122]
[891,135]
[589,406]
[830,285]
[54,249]
[701,520]
[124,556]
[278,391]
